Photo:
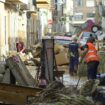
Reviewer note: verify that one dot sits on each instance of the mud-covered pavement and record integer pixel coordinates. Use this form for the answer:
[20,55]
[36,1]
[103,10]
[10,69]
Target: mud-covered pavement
[73,80]
[67,79]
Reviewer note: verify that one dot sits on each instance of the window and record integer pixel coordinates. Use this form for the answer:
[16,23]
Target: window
[90,3]
[90,15]
[78,16]
[34,2]
[86,34]
[79,2]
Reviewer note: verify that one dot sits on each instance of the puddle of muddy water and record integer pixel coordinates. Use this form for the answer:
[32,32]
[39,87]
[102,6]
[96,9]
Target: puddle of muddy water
[72,80]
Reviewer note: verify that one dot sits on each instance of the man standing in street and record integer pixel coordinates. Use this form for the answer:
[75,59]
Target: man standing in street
[73,54]
[91,58]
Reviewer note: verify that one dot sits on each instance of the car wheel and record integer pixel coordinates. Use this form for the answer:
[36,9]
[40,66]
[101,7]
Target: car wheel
[95,28]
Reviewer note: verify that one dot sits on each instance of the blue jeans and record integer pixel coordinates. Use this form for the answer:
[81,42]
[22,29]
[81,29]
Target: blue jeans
[73,66]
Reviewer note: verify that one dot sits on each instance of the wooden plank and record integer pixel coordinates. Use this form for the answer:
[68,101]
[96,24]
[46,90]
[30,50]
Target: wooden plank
[13,98]
[20,72]
[16,95]
[28,91]
[47,59]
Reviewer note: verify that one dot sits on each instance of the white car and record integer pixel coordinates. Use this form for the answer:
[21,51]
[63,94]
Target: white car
[62,40]
[84,36]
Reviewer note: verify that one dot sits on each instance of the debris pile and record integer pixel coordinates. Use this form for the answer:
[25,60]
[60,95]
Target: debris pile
[3,71]
[59,50]
[102,61]
[14,71]
[57,94]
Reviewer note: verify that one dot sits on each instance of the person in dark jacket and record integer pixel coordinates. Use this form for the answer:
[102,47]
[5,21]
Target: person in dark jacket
[73,57]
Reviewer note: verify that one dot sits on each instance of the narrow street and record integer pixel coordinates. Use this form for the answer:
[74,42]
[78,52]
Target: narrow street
[67,79]
[40,40]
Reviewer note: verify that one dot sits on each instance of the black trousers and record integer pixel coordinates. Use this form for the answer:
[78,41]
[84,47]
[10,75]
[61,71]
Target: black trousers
[92,67]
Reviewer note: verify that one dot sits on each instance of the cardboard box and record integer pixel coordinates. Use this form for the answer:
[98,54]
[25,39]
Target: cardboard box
[58,48]
[61,58]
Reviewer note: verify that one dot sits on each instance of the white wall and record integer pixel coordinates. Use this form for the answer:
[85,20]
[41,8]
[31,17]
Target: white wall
[25,1]
[2,0]
[69,12]
[3,30]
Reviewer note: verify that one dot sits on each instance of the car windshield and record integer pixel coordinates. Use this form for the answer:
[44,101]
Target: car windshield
[86,34]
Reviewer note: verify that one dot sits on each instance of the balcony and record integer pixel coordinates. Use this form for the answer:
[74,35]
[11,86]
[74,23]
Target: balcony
[24,7]
[42,5]
[17,1]
[42,1]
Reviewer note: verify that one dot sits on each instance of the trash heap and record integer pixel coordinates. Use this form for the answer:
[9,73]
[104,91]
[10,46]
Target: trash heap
[31,56]
[3,71]
[17,63]
[59,50]
[102,61]
[57,94]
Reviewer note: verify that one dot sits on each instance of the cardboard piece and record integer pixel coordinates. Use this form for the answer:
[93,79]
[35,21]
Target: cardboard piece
[61,58]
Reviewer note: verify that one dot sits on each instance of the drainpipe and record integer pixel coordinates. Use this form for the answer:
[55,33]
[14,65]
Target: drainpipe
[39,25]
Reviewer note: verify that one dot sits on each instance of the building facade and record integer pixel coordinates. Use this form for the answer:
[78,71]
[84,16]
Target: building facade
[44,17]
[83,10]
[10,21]
[13,24]
[58,16]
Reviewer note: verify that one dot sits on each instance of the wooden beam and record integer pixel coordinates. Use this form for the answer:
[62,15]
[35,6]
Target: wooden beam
[20,89]
[13,98]
[43,6]
[16,95]
[42,1]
